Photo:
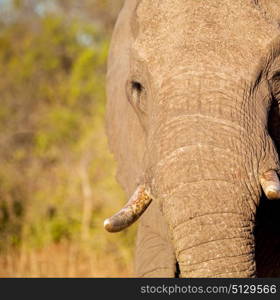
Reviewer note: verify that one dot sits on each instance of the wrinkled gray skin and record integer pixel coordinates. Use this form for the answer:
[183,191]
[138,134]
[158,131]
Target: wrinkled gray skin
[193,92]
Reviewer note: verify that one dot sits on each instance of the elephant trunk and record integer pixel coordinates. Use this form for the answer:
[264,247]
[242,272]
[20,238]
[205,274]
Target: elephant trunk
[205,177]
[211,240]
[208,213]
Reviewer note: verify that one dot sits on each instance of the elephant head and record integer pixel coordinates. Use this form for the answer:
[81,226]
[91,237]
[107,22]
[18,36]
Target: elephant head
[193,121]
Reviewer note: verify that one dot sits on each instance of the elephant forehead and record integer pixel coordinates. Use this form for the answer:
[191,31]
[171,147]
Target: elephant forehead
[202,34]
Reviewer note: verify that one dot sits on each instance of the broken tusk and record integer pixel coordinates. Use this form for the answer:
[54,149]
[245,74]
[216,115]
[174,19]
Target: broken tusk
[134,208]
[270,184]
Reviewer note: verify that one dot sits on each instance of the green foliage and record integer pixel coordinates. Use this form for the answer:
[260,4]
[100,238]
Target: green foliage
[57,175]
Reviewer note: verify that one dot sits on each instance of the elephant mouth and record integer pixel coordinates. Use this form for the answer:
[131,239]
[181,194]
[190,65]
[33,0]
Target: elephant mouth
[142,197]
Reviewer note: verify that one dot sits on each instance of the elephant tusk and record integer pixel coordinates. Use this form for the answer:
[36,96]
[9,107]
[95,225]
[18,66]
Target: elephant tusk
[271,185]
[134,208]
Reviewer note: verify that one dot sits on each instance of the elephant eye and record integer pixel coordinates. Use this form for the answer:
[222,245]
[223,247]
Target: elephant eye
[136,95]
[136,86]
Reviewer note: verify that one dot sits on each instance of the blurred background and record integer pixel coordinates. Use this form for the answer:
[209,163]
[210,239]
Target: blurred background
[57,177]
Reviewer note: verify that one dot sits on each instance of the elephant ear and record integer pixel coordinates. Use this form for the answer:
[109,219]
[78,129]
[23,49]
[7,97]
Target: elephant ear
[125,134]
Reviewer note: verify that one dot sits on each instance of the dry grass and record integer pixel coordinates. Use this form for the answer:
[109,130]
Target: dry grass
[62,260]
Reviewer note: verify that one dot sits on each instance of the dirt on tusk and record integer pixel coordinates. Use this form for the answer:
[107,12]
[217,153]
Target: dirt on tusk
[134,208]
[271,185]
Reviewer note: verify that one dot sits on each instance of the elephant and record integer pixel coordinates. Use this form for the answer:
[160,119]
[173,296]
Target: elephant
[193,120]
